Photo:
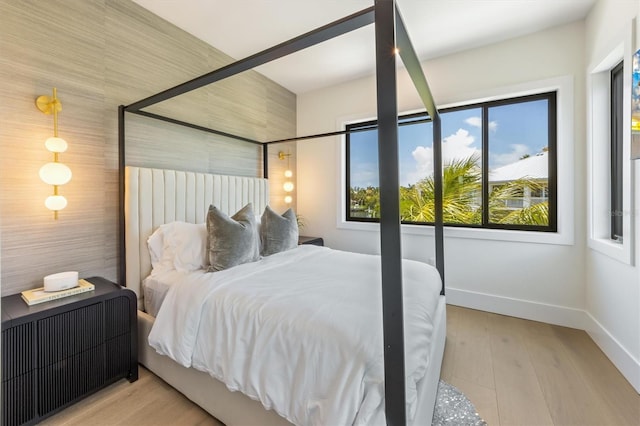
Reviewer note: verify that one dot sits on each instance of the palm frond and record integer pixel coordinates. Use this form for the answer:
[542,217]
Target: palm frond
[537,214]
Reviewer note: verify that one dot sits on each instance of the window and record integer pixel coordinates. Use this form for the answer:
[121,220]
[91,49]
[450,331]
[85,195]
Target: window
[499,166]
[610,187]
[616,153]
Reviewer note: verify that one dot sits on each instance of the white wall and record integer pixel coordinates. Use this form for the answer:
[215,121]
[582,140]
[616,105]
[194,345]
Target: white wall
[531,280]
[613,285]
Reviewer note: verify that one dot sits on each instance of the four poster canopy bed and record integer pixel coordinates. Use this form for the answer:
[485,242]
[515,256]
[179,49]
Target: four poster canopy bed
[257,330]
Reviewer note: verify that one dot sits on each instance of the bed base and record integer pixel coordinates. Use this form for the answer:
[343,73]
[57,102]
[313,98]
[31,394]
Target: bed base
[235,408]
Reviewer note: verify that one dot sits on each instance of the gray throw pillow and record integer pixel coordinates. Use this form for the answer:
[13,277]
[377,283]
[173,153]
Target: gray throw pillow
[231,240]
[278,233]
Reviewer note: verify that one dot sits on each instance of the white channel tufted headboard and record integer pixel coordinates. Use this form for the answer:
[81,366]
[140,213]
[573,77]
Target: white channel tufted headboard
[154,197]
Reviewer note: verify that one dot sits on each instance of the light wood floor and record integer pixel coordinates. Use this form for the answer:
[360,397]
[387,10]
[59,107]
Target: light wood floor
[516,372]
[519,372]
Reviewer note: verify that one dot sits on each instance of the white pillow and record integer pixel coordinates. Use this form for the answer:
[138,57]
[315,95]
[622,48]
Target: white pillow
[183,247]
[156,245]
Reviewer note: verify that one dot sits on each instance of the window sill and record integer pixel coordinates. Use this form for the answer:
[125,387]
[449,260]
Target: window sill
[555,238]
[613,249]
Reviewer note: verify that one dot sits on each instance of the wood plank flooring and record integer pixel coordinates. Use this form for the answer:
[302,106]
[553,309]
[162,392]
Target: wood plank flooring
[519,372]
[516,372]
[149,401]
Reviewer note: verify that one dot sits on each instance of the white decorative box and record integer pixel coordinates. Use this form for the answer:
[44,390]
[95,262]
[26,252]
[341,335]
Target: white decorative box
[61,281]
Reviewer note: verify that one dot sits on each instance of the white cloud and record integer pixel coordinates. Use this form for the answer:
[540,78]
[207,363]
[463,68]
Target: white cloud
[477,122]
[454,147]
[474,121]
[516,153]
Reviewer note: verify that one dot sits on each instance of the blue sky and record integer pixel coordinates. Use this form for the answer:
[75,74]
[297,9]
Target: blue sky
[515,130]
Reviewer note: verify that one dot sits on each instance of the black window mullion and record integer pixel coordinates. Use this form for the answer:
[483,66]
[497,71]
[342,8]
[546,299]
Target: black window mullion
[485,165]
[347,152]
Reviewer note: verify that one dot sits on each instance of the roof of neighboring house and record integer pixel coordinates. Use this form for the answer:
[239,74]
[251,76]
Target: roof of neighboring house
[534,167]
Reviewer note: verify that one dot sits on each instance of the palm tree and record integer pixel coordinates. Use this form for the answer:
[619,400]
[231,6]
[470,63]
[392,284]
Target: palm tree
[537,214]
[462,188]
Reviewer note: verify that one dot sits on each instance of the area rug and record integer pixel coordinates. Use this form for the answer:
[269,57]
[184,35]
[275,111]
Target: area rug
[454,409]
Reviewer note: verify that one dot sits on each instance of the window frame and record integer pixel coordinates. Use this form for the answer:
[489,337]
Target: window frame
[552,116]
[599,152]
[617,148]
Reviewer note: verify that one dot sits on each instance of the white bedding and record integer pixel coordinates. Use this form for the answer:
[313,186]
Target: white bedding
[300,331]
[156,286]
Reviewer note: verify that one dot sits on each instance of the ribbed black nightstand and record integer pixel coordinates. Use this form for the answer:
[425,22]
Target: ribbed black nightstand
[56,353]
[316,241]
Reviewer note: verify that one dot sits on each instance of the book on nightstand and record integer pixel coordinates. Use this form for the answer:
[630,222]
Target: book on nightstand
[38,295]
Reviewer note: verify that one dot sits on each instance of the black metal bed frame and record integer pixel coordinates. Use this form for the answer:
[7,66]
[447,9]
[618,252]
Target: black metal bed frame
[391,38]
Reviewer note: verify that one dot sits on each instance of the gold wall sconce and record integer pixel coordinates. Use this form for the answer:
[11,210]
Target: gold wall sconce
[54,173]
[288,174]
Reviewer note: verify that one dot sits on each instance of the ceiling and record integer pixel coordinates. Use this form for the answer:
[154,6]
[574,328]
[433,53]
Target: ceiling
[241,28]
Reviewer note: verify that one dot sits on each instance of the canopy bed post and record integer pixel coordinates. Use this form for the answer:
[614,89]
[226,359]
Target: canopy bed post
[390,239]
[311,38]
[192,126]
[122,267]
[411,61]
[437,198]
[265,161]
[327,32]
[391,38]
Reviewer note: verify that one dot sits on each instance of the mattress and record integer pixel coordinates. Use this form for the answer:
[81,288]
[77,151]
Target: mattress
[313,315]
[155,288]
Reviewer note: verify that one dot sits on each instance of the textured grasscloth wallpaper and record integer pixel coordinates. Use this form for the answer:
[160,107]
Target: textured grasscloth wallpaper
[100,54]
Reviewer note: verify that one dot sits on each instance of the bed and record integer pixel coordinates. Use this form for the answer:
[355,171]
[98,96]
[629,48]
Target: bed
[155,197]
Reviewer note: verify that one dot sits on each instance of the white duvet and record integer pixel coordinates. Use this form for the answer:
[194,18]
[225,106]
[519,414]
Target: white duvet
[300,331]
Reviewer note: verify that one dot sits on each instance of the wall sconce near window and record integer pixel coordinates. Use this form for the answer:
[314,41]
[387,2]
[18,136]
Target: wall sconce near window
[288,185]
[54,173]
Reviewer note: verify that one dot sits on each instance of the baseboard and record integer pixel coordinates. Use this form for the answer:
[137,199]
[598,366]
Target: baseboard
[557,315]
[550,314]
[619,356]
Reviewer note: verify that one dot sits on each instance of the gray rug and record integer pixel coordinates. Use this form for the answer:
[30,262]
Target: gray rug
[454,409]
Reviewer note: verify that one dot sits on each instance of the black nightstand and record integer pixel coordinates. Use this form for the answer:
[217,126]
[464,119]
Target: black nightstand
[316,241]
[56,353]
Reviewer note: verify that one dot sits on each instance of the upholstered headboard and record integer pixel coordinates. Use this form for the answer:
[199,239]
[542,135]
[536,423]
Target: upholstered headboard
[154,197]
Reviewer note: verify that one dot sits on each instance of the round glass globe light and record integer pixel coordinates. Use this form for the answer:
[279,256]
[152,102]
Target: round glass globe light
[288,173]
[288,186]
[55,174]
[55,202]
[55,144]
[288,199]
